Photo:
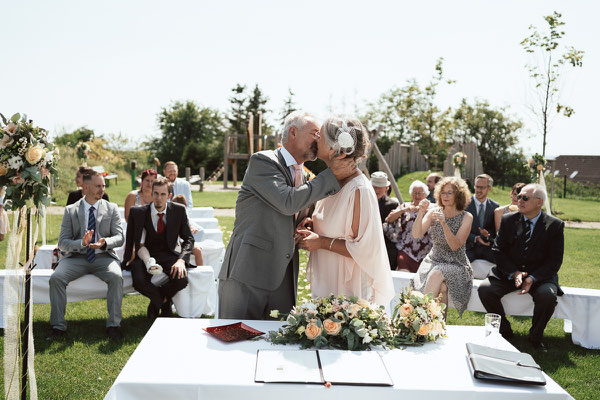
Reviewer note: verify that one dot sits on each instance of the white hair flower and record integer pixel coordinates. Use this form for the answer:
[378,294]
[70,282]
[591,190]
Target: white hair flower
[345,139]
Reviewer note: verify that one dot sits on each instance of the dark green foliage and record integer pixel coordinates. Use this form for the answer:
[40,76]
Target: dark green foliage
[82,134]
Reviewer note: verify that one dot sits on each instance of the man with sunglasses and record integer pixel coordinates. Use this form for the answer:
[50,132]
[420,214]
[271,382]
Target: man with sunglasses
[481,237]
[529,252]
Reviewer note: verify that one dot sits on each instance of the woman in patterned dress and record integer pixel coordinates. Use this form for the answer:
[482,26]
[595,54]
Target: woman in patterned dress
[446,269]
[397,227]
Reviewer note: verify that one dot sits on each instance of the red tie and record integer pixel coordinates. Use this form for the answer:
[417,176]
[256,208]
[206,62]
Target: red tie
[160,227]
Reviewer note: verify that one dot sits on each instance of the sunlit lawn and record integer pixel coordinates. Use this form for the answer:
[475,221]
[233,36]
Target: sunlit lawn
[84,365]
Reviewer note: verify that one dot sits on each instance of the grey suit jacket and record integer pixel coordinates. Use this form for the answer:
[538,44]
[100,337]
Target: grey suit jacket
[262,242]
[108,226]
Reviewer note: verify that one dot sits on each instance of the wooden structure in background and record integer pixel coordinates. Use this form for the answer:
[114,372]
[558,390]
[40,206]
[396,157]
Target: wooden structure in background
[474,166]
[404,158]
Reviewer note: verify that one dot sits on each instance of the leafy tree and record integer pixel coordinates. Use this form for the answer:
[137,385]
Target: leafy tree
[187,126]
[82,134]
[549,58]
[289,106]
[257,101]
[238,117]
[496,136]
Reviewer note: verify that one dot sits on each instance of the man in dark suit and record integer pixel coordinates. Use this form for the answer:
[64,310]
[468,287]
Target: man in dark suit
[260,269]
[89,233]
[483,232]
[529,252]
[381,185]
[152,233]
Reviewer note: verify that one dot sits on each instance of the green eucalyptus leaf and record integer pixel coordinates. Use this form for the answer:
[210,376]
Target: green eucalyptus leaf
[15,118]
[3,119]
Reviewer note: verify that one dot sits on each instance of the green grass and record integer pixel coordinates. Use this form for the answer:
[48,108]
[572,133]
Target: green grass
[565,209]
[60,374]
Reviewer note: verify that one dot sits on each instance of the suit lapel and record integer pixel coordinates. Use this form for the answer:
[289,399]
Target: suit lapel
[286,169]
[101,212]
[81,217]
[170,213]
[538,230]
[489,211]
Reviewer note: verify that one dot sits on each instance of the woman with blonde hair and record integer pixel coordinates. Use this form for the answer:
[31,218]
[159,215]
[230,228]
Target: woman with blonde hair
[446,269]
[347,249]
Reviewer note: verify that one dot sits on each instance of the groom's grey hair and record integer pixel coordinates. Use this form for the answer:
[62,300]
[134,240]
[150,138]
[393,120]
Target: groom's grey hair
[297,119]
[538,191]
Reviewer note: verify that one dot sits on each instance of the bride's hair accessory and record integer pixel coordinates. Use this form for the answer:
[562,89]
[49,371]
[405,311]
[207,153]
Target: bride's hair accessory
[346,138]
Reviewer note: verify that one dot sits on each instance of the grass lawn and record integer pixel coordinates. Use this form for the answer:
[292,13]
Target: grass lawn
[85,364]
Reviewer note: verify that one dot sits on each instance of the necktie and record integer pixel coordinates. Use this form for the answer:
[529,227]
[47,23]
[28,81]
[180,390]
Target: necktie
[527,233]
[481,215]
[297,175]
[160,226]
[91,253]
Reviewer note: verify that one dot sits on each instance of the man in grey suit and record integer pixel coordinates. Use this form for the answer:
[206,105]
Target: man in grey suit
[483,229]
[89,233]
[260,269]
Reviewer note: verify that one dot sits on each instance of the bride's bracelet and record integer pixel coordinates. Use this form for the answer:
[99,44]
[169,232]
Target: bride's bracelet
[331,244]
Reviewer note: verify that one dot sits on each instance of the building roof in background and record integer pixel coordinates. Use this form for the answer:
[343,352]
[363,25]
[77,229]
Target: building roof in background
[588,167]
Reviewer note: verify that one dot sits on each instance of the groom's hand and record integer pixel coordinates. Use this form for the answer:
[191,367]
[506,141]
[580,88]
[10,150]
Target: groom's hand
[340,165]
[310,241]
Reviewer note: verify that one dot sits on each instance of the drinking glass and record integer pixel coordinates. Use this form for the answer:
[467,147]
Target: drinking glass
[492,329]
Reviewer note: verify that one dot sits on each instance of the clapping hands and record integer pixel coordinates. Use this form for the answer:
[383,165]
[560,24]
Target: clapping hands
[423,206]
[87,238]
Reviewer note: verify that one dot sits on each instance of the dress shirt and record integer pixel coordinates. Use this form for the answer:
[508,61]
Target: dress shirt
[86,214]
[181,186]
[154,218]
[289,160]
[534,221]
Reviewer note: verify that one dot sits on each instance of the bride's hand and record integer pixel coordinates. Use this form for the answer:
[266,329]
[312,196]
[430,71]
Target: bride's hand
[310,241]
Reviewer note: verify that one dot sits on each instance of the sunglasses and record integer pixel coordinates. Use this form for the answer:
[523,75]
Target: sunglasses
[523,197]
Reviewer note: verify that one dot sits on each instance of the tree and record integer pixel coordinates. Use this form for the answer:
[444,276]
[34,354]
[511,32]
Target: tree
[549,58]
[288,106]
[237,117]
[82,134]
[496,136]
[187,126]
[257,101]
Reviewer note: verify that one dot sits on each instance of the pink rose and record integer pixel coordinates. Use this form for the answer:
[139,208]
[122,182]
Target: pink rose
[17,179]
[45,172]
[332,327]
[11,128]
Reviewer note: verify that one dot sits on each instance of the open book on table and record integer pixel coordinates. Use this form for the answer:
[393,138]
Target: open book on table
[506,366]
[321,366]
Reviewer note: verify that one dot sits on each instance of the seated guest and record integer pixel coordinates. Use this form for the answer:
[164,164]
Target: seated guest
[89,233]
[180,186]
[500,211]
[197,252]
[76,195]
[432,180]
[529,252]
[446,269]
[479,244]
[156,227]
[381,185]
[398,228]
[142,196]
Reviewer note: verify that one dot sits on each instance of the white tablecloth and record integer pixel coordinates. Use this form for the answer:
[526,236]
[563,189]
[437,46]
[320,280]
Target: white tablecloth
[578,305]
[199,297]
[195,365]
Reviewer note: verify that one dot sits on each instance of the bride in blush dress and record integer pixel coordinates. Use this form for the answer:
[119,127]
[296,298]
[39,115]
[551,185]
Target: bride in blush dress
[347,249]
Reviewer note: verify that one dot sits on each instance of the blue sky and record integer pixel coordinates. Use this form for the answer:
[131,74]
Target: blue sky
[112,65]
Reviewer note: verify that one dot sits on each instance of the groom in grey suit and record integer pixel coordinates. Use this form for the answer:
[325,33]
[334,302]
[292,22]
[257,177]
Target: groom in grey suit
[89,233]
[260,269]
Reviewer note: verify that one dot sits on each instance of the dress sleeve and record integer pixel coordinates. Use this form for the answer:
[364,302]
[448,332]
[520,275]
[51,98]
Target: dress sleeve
[368,247]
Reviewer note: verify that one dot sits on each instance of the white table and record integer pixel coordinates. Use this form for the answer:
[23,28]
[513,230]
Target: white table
[578,305]
[202,367]
[197,298]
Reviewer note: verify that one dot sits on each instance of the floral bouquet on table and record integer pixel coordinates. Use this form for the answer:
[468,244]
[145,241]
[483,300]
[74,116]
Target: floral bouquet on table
[27,159]
[418,318]
[337,322]
[536,164]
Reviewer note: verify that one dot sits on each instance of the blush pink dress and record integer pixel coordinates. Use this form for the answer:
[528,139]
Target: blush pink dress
[367,274]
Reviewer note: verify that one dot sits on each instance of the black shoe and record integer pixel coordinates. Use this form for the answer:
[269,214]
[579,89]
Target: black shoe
[167,309]
[114,333]
[54,334]
[152,312]
[539,346]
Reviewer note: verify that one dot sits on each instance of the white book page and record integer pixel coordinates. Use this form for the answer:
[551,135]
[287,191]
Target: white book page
[300,366]
[354,367]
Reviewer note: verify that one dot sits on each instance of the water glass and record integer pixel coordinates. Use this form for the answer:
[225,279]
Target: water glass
[492,327]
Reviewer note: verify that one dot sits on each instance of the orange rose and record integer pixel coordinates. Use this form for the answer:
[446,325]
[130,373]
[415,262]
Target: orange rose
[332,327]
[406,309]
[540,167]
[34,154]
[3,169]
[424,330]
[312,330]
